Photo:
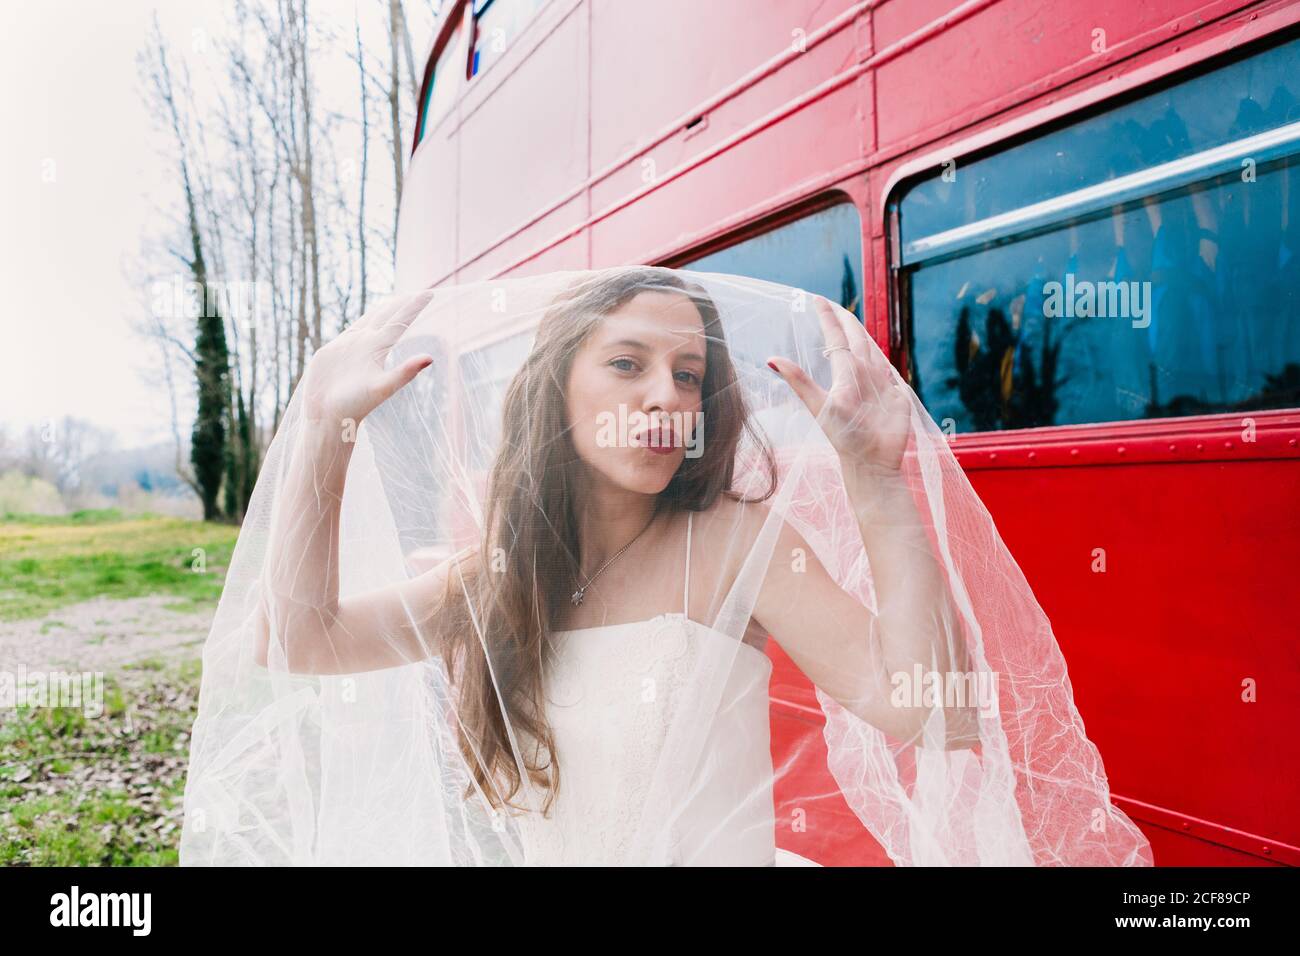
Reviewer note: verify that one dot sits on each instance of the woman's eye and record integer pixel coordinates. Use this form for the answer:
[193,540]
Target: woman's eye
[684,376]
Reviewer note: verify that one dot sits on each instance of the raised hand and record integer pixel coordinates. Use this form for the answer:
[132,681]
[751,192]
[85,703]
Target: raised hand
[347,378]
[866,414]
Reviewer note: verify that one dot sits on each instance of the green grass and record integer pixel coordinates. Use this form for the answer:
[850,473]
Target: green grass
[102,790]
[50,562]
[83,791]
[84,517]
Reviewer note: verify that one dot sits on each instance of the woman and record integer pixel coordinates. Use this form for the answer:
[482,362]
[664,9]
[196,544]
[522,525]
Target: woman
[594,681]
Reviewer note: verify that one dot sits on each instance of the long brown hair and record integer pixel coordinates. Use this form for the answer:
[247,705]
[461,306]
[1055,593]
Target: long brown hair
[508,608]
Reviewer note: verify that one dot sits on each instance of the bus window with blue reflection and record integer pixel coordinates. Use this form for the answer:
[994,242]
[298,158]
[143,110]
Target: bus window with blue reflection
[496,24]
[1084,276]
[821,253]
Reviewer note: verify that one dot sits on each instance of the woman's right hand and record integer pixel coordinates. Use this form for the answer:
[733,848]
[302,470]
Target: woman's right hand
[347,379]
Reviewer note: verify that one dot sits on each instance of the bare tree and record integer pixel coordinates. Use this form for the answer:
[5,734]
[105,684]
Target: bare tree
[365,151]
[406,47]
[271,194]
[396,28]
[306,172]
[211,357]
[57,451]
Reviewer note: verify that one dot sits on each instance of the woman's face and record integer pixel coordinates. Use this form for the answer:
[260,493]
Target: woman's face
[635,392]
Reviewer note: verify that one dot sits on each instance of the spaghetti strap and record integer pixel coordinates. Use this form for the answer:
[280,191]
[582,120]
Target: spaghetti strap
[686,590]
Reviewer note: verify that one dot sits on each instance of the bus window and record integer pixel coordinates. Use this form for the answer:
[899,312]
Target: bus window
[496,24]
[820,253]
[1139,263]
[416,504]
[486,373]
[446,82]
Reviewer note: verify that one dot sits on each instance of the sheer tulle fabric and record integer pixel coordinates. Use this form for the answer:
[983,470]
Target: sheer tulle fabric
[661,724]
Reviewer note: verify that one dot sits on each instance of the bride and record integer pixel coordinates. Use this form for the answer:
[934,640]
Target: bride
[586,680]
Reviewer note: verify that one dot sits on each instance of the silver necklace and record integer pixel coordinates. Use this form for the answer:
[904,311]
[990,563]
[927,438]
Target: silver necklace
[581,593]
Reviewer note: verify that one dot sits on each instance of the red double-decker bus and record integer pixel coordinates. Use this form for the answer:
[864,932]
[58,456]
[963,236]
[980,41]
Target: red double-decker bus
[1074,227]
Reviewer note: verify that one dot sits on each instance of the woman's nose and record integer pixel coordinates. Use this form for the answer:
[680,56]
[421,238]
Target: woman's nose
[661,391]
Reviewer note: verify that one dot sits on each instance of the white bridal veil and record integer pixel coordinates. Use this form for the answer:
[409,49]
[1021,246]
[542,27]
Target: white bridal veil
[393,674]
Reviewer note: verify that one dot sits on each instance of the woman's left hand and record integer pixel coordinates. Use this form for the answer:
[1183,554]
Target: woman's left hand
[867,413]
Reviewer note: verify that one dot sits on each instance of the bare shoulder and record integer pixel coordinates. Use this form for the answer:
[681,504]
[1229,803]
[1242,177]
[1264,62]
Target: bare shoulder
[727,515]
[738,530]
[733,528]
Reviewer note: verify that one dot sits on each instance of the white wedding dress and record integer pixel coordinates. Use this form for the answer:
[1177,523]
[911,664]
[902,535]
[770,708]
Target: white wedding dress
[609,693]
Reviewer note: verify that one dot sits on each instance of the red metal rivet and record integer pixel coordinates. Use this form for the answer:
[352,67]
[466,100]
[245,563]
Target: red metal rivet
[1173,448]
[1120,449]
[1074,451]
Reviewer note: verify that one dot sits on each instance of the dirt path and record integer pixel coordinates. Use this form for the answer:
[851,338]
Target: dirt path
[102,634]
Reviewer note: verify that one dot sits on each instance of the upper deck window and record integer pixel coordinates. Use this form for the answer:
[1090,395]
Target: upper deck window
[447,81]
[496,24]
[1142,262]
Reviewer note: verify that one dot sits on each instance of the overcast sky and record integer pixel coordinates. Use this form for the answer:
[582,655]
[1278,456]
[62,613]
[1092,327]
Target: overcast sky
[72,114]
